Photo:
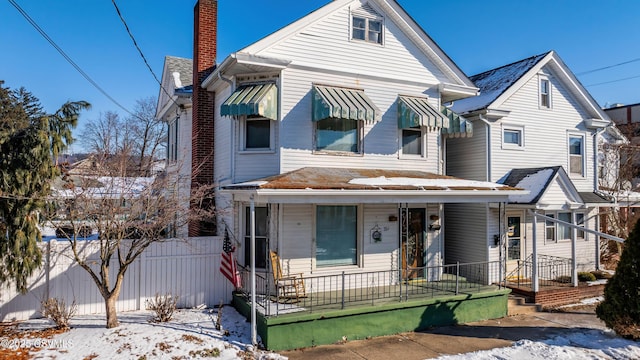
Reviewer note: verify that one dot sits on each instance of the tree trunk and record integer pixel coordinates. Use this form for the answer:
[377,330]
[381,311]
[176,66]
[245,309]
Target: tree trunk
[112,316]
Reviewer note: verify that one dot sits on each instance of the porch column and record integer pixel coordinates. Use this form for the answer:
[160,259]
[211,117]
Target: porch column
[252,224]
[534,255]
[574,257]
[598,240]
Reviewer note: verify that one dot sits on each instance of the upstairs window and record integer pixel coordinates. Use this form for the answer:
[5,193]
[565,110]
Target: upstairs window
[545,93]
[576,155]
[366,29]
[256,134]
[333,134]
[412,141]
[513,137]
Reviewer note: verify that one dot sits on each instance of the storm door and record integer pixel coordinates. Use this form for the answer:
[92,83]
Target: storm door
[413,243]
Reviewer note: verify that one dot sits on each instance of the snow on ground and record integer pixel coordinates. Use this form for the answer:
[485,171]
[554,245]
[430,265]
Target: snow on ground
[190,334]
[591,344]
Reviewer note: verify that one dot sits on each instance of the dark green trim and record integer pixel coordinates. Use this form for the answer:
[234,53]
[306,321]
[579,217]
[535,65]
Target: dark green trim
[297,330]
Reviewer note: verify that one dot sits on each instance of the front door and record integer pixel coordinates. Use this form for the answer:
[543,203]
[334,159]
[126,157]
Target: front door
[515,241]
[413,243]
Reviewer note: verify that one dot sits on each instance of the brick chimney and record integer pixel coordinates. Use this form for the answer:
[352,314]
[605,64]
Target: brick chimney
[205,23]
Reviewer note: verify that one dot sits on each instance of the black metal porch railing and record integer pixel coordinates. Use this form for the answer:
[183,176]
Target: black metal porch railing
[552,271]
[349,289]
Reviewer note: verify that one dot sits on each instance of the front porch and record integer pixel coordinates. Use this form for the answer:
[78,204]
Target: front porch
[360,305]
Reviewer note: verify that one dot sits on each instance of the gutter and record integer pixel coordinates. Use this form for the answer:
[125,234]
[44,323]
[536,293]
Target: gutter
[488,137]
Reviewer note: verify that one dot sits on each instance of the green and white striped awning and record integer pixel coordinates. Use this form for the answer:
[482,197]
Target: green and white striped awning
[343,103]
[458,125]
[255,99]
[416,111]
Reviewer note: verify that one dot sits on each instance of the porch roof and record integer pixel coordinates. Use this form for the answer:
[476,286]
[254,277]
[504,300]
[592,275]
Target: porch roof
[348,185]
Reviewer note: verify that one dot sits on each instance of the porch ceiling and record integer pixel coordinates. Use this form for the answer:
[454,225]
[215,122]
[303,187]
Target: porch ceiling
[336,185]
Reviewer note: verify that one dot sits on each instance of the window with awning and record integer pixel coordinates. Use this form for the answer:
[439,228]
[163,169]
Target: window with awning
[343,103]
[416,112]
[252,100]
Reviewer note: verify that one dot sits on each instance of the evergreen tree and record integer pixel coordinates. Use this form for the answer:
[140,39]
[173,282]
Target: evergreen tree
[620,309]
[30,141]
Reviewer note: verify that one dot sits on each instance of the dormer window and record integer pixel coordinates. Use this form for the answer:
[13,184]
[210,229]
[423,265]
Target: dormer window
[366,29]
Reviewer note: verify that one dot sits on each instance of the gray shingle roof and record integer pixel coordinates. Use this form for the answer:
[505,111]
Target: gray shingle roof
[494,83]
[182,66]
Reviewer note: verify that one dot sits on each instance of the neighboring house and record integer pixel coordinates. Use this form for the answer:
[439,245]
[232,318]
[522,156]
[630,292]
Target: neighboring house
[174,107]
[330,134]
[535,127]
[627,119]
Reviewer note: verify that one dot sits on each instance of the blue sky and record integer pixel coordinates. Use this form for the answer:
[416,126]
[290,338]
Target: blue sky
[477,35]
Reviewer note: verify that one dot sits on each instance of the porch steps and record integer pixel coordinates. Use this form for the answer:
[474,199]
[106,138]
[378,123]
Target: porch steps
[518,305]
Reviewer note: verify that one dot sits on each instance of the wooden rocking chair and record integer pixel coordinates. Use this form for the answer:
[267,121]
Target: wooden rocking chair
[291,287]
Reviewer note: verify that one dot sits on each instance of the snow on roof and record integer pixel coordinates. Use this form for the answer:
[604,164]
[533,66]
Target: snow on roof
[109,187]
[494,83]
[421,182]
[535,181]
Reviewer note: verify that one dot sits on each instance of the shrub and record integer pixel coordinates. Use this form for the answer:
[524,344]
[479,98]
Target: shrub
[163,305]
[564,279]
[57,311]
[586,276]
[620,309]
[601,274]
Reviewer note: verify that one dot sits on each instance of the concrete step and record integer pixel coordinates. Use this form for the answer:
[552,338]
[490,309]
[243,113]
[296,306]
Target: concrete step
[518,305]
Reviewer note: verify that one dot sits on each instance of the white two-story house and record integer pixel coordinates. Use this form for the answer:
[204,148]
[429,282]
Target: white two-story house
[534,127]
[329,136]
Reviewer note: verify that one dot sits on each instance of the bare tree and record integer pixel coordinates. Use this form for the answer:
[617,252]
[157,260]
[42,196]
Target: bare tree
[149,134]
[129,214]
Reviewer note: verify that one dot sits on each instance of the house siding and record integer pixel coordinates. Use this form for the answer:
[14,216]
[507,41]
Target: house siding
[398,58]
[467,157]
[585,248]
[465,232]
[545,132]
[380,140]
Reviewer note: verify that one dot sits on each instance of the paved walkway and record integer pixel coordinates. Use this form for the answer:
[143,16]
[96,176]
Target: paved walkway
[450,340]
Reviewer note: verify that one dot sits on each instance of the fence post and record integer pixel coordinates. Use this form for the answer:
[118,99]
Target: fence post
[47,269]
[457,276]
[342,290]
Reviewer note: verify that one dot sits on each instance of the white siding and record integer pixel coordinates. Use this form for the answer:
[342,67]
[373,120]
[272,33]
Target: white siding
[545,132]
[465,232]
[326,44]
[380,138]
[467,157]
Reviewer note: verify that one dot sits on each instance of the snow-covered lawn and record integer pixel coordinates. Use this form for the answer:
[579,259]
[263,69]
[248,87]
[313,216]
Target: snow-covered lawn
[592,344]
[193,334]
[190,334]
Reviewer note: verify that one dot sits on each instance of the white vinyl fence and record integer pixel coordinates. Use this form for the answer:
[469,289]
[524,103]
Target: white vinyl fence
[188,268]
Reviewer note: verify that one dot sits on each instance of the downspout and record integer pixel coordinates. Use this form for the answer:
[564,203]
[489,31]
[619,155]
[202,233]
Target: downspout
[232,153]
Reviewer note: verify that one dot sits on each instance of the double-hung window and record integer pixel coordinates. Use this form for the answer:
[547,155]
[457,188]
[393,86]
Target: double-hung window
[336,235]
[261,235]
[561,232]
[545,93]
[172,140]
[576,155]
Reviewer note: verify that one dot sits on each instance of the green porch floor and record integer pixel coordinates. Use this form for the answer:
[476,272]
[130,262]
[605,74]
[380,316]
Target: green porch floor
[329,323]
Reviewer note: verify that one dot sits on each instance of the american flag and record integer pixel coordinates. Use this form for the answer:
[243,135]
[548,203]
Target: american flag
[228,266]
